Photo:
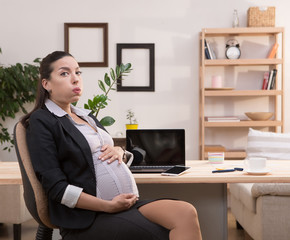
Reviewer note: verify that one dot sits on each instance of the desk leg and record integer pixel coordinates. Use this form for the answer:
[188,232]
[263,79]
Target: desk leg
[210,200]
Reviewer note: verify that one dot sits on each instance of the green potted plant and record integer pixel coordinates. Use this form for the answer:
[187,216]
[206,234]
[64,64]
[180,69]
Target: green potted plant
[133,124]
[100,101]
[18,85]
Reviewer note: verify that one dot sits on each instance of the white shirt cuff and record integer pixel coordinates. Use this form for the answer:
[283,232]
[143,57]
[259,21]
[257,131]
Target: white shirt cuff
[130,158]
[71,196]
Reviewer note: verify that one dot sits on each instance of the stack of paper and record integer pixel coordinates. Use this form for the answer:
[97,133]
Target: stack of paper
[216,157]
[223,119]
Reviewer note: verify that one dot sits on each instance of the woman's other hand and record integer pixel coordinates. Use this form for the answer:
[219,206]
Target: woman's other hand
[111,153]
[122,202]
[119,203]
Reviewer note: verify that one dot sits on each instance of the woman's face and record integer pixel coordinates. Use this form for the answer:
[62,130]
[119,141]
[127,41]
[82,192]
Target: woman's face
[65,84]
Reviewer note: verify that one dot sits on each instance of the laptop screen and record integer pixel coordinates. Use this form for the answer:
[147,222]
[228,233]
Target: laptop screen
[156,147]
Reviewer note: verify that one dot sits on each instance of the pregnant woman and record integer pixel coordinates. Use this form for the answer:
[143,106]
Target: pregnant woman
[91,192]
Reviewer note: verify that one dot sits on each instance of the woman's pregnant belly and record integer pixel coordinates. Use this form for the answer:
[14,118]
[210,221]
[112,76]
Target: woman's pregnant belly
[113,179]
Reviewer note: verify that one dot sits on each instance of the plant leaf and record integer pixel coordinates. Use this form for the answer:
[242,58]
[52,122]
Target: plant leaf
[118,72]
[107,121]
[127,67]
[112,73]
[90,103]
[107,79]
[102,86]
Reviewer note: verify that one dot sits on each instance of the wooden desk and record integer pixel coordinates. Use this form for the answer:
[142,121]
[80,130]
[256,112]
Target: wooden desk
[12,206]
[205,190]
[201,172]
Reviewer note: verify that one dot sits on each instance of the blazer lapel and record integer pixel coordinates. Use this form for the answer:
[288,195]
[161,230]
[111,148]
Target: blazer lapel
[79,139]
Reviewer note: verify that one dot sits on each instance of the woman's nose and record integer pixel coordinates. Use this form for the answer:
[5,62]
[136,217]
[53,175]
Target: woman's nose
[75,79]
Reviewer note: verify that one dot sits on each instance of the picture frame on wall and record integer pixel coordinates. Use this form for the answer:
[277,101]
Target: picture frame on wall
[142,58]
[88,43]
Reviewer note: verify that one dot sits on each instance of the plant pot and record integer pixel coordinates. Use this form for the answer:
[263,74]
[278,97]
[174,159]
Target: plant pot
[131,126]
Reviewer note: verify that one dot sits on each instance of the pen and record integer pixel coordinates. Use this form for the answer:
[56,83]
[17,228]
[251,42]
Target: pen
[239,169]
[227,170]
[223,170]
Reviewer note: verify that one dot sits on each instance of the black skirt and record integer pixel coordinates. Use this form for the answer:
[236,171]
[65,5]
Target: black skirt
[129,225]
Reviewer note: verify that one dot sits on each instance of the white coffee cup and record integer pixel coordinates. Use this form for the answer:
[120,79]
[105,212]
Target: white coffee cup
[256,164]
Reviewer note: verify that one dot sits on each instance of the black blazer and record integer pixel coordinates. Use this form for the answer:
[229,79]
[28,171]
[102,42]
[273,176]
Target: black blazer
[60,156]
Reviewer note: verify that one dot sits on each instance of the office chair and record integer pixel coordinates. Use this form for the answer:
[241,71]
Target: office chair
[34,195]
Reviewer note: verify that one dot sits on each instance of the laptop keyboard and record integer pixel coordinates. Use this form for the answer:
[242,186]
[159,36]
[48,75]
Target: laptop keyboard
[150,167]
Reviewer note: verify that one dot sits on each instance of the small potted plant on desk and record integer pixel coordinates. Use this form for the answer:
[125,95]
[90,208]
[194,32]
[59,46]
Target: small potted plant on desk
[133,124]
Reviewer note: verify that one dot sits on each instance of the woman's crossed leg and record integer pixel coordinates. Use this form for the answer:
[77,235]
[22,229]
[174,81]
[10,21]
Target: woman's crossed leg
[179,217]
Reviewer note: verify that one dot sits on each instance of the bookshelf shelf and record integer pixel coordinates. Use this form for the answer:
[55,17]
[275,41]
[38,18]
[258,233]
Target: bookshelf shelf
[242,93]
[242,62]
[259,31]
[244,124]
[221,96]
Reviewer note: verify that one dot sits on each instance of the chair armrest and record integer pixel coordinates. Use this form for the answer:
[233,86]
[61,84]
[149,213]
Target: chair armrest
[275,189]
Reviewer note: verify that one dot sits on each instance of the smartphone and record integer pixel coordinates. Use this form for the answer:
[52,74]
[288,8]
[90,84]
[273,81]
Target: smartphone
[175,171]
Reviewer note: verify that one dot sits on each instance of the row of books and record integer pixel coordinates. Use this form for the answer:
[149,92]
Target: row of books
[269,80]
[208,51]
[222,119]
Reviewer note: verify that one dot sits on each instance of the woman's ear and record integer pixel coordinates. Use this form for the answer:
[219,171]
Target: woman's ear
[45,84]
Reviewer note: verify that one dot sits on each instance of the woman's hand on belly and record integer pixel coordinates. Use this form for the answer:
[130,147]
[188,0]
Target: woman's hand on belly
[111,153]
[121,202]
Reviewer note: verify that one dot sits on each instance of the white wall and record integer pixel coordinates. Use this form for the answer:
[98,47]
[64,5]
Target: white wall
[34,28]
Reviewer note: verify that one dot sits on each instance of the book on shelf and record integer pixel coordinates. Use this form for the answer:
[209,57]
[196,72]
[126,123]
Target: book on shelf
[273,51]
[269,80]
[206,51]
[265,80]
[209,52]
[222,119]
[273,80]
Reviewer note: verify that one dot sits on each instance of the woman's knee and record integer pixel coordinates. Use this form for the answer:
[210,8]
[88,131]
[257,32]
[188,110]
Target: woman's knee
[170,213]
[188,211]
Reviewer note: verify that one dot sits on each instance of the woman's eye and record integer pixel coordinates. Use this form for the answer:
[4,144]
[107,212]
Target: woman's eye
[64,74]
[78,73]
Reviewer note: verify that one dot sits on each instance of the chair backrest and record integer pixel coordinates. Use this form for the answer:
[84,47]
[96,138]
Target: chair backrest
[34,195]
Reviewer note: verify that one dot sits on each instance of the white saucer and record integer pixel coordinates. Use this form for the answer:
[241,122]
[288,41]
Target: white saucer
[258,172]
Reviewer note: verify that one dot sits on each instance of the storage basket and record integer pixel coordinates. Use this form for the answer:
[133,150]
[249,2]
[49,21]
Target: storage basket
[261,17]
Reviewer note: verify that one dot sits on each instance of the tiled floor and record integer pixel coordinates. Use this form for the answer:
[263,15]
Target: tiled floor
[29,230]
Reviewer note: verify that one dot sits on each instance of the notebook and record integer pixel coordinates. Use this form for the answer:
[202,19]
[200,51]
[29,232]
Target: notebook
[155,150]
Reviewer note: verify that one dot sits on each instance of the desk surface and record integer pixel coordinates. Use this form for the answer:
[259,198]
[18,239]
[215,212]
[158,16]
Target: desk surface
[10,173]
[200,172]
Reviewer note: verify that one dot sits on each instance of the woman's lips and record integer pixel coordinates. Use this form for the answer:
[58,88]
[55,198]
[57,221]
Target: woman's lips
[77,90]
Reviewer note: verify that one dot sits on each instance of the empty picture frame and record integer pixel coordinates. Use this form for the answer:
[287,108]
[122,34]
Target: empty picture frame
[88,43]
[141,56]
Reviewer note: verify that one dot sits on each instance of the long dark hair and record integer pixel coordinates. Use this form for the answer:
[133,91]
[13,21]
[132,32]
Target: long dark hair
[45,70]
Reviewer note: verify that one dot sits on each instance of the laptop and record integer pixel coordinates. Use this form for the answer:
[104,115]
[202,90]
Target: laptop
[155,150]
